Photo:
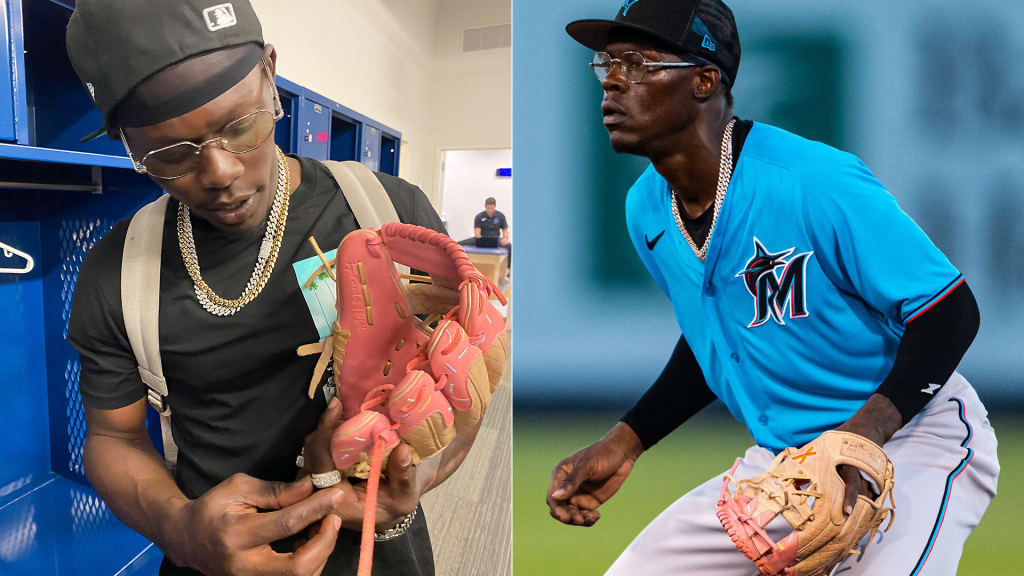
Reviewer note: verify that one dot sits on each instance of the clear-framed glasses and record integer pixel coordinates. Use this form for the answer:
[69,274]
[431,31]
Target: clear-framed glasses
[239,136]
[633,65]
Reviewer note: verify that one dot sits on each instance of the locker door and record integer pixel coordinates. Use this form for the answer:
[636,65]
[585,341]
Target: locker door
[344,138]
[389,154]
[370,153]
[314,130]
[286,128]
[7,87]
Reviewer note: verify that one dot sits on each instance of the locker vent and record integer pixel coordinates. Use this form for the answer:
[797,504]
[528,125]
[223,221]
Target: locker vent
[77,237]
[90,517]
[487,38]
[75,417]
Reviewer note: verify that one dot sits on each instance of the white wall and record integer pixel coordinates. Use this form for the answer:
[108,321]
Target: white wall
[469,179]
[400,62]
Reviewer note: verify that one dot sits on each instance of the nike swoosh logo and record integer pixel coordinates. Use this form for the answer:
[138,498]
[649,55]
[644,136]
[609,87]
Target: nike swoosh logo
[651,243]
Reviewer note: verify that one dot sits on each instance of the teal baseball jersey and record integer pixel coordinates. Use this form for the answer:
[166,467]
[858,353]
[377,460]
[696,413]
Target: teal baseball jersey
[811,275]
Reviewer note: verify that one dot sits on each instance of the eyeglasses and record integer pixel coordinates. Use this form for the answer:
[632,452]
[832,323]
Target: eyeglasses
[633,65]
[239,136]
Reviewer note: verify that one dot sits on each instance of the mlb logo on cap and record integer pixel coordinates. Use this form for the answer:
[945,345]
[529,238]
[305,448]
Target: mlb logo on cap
[219,17]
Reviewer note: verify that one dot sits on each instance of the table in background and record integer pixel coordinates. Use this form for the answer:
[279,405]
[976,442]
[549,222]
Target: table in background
[492,262]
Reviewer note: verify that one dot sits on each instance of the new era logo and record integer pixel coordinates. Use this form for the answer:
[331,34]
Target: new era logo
[708,42]
[219,17]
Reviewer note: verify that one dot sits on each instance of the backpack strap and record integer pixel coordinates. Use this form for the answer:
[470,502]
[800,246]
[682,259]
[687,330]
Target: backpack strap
[367,197]
[140,304]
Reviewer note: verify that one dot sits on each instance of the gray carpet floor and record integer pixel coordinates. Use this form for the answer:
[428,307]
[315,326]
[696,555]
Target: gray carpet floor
[470,514]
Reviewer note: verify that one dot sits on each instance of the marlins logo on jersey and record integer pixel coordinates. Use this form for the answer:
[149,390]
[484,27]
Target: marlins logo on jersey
[773,291]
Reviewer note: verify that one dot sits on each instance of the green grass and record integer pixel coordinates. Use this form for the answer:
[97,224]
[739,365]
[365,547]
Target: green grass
[697,451]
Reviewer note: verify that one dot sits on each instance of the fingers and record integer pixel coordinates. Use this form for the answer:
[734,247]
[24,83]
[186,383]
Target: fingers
[568,513]
[571,476]
[585,501]
[400,469]
[317,444]
[851,477]
[399,494]
[269,495]
[274,526]
[331,417]
[312,557]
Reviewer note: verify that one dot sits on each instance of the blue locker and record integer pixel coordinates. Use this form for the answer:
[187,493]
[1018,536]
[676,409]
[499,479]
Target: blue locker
[51,214]
[389,148]
[344,137]
[284,131]
[7,87]
[370,151]
[58,196]
[314,130]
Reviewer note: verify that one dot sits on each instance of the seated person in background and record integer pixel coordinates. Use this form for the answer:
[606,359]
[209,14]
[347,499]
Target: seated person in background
[492,224]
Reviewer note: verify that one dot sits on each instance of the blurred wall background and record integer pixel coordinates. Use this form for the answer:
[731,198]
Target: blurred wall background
[929,94]
[404,63]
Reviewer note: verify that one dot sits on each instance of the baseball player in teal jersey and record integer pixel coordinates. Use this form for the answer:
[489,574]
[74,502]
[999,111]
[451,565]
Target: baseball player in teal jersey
[807,300]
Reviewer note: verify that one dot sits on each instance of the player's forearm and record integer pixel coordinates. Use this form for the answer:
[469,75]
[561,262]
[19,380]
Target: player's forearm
[504,233]
[931,348]
[878,420]
[477,232]
[134,482]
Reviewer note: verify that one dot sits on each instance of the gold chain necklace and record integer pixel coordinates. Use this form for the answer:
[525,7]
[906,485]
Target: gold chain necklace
[267,257]
[724,176]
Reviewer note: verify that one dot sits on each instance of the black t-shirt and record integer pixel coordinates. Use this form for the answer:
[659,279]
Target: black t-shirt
[490,226]
[237,389]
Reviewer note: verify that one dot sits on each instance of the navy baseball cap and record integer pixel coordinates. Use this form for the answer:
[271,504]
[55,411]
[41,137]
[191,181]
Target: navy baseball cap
[703,29]
[115,45]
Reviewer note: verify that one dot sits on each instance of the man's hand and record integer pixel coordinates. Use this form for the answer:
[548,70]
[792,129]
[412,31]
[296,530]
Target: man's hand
[588,478]
[504,241]
[877,421]
[223,533]
[399,490]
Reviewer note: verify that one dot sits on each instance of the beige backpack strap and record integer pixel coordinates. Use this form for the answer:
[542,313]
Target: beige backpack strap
[370,203]
[367,197]
[140,303]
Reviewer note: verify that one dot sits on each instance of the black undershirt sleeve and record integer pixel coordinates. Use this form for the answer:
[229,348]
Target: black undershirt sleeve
[680,392]
[932,346]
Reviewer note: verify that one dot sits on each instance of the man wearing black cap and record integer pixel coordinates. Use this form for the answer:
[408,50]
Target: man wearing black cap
[807,300]
[188,87]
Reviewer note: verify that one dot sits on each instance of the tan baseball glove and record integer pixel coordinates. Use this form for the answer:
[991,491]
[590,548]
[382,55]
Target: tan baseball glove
[804,487]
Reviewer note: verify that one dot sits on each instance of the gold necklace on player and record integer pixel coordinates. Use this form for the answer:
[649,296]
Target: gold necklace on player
[724,176]
[213,303]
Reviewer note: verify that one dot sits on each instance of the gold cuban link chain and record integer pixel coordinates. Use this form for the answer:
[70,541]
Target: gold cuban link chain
[267,257]
[724,176]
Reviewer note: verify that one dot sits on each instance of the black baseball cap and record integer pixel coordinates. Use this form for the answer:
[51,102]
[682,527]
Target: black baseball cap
[703,29]
[115,45]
